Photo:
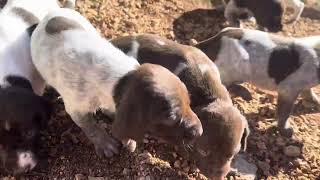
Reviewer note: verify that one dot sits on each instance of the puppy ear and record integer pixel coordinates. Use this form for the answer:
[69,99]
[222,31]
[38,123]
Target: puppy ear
[121,86]
[244,137]
[120,125]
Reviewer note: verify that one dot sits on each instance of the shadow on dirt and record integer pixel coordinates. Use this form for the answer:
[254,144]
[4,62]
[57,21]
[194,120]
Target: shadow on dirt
[268,146]
[311,13]
[198,24]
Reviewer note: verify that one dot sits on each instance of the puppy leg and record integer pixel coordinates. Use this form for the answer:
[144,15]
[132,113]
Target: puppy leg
[309,95]
[285,104]
[298,7]
[104,143]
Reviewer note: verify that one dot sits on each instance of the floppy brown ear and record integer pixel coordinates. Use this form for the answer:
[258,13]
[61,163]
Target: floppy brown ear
[126,122]
[244,137]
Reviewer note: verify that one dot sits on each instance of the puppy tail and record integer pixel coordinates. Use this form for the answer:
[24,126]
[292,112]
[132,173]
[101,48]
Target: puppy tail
[71,4]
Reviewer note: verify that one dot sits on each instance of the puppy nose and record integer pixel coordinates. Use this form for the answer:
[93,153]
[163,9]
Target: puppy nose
[26,161]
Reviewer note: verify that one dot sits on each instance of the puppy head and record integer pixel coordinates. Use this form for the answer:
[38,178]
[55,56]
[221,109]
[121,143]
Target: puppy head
[225,134]
[153,100]
[22,115]
[268,14]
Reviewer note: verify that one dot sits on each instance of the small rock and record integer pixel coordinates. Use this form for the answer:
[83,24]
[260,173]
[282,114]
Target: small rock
[95,178]
[184,164]
[298,162]
[174,155]
[245,169]
[292,151]
[79,177]
[186,169]
[193,42]
[145,155]
[145,141]
[280,141]
[172,35]
[177,164]
[125,171]
[265,167]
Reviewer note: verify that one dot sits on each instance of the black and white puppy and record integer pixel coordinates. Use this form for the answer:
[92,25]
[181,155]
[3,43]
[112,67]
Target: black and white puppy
[286,65]
[268,13]
[23,112]
[90,73]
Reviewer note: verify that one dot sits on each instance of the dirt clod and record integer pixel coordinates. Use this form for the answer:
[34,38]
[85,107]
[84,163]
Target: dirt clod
[292,151]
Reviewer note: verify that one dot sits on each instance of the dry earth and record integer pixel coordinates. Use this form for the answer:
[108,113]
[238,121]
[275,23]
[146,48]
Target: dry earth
[68,154]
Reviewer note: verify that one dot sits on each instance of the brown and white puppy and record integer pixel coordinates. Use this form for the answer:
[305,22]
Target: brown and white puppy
[22,111]
[268,13]
[224,128]
[88,71]
[155,99]
[285,65]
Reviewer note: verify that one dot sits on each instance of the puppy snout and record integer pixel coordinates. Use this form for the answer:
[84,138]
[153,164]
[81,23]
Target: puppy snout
[26,161]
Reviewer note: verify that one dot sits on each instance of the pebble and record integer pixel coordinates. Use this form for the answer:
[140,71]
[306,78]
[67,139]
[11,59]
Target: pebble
[146,141]
[245,169]
[177,164]
[174,155]
[280,141]
[79,177]
[193,42]
[292,151]
[125,171]
[95,178]
[265,167]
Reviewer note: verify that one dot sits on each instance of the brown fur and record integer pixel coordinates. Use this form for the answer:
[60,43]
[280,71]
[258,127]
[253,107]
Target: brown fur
[25,15]
[153,98]
[223,123]
[59,24]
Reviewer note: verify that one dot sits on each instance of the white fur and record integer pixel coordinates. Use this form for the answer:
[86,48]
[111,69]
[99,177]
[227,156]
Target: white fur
[247,60]
[15,57]
[26,160]
[66,52]
[83,67]
[241,62]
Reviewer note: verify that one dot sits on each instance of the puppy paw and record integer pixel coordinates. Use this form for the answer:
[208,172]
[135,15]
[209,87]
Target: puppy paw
[286,132]
[106,146]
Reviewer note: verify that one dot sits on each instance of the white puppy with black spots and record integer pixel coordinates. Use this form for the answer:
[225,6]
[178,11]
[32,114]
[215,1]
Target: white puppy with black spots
[267,13]
[287,65]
